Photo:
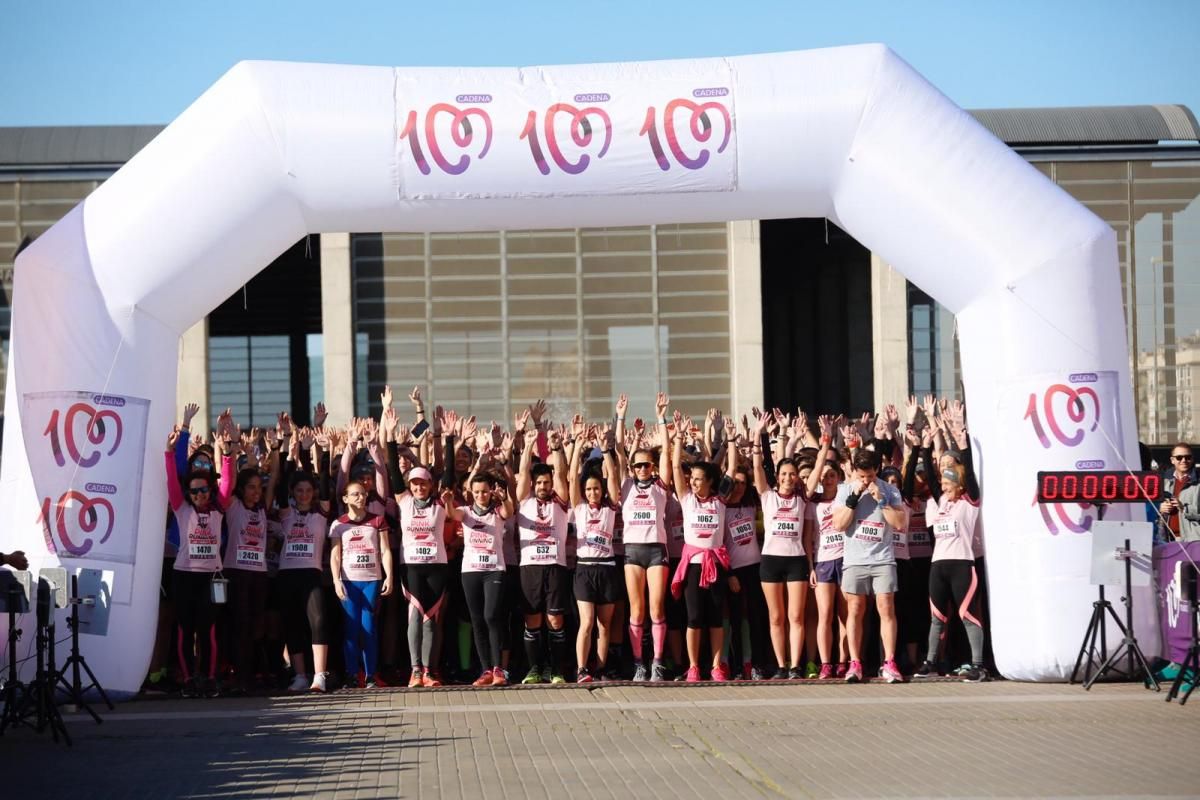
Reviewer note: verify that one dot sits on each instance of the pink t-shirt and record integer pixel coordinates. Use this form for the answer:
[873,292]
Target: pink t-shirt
[362,553]
[595,530]
[644,512]
[247,546]
[741,536]
[542,526]
[955,527]
[303,539]
[920,542]
[783,524]
[831,543]
[483,540]
[199,540]
[421,531]
[703,522]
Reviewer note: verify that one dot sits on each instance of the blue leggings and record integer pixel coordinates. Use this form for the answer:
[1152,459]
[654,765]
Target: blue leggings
[362,597]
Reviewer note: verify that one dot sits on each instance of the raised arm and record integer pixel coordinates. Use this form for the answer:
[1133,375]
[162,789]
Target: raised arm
[664,439]
[826,424]
[524,480]
[174,491]
[574,476]
[756,455]
[678,479]
[185,433]
[558,461]
[608,443]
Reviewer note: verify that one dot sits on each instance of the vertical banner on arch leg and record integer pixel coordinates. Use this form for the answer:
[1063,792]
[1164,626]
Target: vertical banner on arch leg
[87,470]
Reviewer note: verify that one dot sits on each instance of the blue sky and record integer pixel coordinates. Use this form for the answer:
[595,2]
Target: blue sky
[122,62]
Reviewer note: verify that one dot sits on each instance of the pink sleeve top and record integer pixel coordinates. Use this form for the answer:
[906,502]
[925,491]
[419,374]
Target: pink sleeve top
[783,524]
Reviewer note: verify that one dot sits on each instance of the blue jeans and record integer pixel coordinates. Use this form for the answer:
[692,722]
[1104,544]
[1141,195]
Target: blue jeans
[361,644]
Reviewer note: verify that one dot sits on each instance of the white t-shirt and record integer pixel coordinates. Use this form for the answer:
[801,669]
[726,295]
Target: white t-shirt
[703,522]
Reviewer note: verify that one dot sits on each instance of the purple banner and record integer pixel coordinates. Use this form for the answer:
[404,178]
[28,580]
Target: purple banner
[1168,579]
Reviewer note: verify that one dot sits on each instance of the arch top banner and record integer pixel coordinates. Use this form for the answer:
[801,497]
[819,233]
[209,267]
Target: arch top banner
[274,151]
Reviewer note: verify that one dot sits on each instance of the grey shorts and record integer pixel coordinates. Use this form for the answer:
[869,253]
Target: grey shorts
[873,579]
[646,555]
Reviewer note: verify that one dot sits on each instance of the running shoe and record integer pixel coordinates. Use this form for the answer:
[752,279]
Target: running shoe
[488,678]
[362,680]
[557,679]
[719,674]
[299,683]
[377,682]
[414,680]
[826,672]
[973,673]
[320,683]
[212,688]
[795,674]
[659,672]
[854,672]
[781,674]
[190,689]
[811,670]
[499,677]
[613,673]
[429,680]
[890,672]
[639,674]
[842,668]
[693,675]
[534,676]
[756,674]
[547,675]
[926,670]
[584,677]
[958,671]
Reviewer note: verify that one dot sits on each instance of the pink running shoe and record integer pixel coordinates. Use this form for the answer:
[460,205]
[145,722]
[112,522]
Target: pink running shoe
[826,672]
[841,669]
[890,672]
[693,675]
[854,672]
[719,674]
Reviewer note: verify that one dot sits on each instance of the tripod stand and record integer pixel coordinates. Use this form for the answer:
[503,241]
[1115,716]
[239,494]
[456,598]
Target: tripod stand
[14,690]
[1128,648]
[74,688]
[41,689]
[1191,662]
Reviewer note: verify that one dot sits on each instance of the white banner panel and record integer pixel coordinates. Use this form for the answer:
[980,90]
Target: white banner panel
[485,134]
[87,470]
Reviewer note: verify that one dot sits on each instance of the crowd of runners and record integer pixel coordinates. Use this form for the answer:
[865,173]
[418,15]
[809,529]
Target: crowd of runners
[428,547]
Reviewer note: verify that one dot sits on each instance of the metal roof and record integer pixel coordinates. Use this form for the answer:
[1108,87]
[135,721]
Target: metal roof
[110,146]
[1090,125]
[79,146]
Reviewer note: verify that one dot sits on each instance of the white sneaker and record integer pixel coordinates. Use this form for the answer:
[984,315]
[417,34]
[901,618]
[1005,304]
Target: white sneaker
[299,683]
[318,683]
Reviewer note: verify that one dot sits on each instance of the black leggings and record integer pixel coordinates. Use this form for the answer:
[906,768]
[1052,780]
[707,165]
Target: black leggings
[954,587]
[248,602]
[485,595]
[749,603]
[912,600]
[195,614]
[705,607]
[302,604]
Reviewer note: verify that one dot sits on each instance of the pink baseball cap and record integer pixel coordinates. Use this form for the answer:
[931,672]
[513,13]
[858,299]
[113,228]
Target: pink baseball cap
[419,473]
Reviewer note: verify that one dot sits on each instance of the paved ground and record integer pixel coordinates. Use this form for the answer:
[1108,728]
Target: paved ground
[811,740]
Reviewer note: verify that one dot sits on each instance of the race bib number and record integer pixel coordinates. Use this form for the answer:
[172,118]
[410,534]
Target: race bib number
[544,552]
[418,553]
[300,549]
[485,562]
[945,528]
[785,528]
[742,533]
[202,552]
[642,517]
[869,531]
[363,560]
[599,539]
[833,540]
[249,557]
[918,537]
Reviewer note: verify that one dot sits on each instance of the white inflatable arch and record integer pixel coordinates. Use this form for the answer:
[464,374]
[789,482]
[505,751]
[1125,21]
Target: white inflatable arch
[274,151]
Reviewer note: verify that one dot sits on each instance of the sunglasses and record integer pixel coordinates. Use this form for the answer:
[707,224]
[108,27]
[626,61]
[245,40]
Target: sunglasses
[1181,458]
[198,490]
[642,465]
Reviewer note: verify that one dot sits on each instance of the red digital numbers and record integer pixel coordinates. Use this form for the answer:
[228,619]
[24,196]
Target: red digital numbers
[1097,486]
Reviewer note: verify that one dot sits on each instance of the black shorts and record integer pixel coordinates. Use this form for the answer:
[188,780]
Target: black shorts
[597,583]
[783,569]
[646,555]
[544,589]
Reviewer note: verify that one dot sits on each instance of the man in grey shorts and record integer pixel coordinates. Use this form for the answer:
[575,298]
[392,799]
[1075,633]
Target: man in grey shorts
[868,510]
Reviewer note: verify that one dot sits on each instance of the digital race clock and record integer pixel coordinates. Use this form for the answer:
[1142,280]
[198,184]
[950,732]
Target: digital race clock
[1099,486]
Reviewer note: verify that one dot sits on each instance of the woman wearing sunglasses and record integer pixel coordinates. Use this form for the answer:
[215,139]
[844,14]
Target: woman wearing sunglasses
[198,559]
[644,508]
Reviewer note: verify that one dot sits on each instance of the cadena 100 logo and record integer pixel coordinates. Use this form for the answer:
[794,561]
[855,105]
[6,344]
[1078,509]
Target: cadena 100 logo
[570,137]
